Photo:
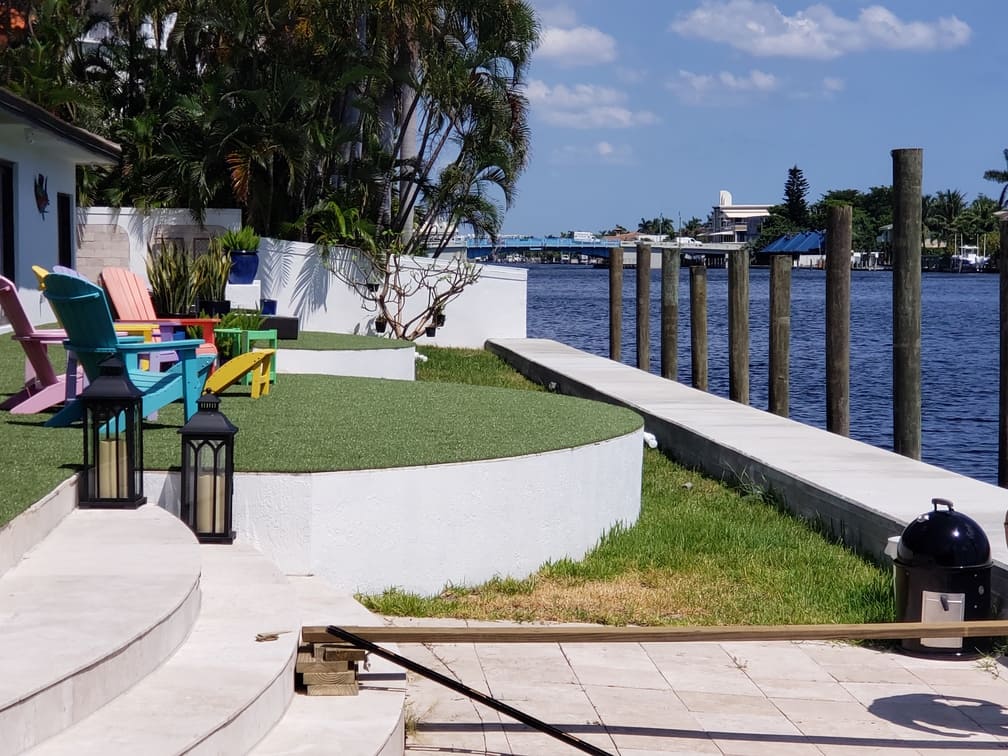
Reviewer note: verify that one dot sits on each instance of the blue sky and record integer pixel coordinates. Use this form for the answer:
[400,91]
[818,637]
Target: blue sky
[641,108]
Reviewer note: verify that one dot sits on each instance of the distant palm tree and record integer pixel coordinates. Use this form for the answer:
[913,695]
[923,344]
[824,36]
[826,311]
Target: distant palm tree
[1002,178]
[943,213]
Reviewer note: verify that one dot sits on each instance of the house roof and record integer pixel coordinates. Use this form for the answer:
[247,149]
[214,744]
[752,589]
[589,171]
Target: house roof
[809,241]
[89,148]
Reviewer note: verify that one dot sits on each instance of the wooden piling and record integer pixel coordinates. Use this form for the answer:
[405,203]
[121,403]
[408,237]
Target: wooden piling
[670,314]
[780,334]
[1003,361]
[838,265]
[906,242]
[698,326]
[644,306]
[615,303]
[738,326]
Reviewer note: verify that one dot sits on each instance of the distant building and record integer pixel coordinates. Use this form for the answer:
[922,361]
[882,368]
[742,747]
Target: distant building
[734,223]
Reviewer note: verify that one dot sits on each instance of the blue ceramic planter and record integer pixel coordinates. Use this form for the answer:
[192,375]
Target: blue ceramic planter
[243,267]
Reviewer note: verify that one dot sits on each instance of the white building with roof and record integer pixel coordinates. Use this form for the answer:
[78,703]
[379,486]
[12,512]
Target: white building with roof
[734,223]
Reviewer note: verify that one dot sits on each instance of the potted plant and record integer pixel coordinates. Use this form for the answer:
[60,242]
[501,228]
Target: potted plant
[209,273]
[169,277]
[437,315]
[243,247]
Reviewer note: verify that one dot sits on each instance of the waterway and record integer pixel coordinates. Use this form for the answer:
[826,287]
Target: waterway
[959,348]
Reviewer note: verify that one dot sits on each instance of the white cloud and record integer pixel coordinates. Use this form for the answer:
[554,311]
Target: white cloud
[605,153]
[557,15]
[720,87]
[584,106]
[760,28]
[577,46]
[833,84]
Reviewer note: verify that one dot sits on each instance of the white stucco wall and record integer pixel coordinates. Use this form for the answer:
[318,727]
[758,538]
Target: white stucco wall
[399,364]
[36,236]
[420,528]
[290,272]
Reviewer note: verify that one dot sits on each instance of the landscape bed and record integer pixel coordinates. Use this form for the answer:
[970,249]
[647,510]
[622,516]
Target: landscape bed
[315,423]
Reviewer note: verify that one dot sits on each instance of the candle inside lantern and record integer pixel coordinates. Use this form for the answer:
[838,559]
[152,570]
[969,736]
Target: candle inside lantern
[112,469]
[209,502]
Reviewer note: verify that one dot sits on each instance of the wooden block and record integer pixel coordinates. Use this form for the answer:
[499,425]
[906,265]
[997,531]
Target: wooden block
[329,678]
[347,689]
[309,663]
[343,653]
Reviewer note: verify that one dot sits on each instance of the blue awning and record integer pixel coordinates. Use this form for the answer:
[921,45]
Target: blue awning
[802,243]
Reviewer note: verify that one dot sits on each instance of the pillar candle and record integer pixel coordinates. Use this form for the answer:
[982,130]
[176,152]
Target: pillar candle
[209,490]
[112,458]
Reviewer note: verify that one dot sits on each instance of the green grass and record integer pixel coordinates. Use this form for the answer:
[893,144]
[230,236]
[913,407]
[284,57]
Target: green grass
[700,553]
[312,423]
[319,341]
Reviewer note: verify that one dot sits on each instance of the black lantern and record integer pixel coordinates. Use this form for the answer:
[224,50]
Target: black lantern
[208,472]
[113,440]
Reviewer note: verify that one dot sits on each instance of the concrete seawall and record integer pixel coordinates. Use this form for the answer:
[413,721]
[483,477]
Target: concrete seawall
[860,493]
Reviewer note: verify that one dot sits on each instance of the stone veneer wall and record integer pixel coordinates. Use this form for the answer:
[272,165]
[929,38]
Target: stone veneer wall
[101,246]
[120,236]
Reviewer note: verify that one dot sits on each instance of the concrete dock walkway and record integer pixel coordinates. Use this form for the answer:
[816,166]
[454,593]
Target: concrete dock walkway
[863,494]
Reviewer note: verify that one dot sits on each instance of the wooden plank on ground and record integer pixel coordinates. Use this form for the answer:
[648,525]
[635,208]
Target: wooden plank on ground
[329,678]
[347,689]
[569,634]
[313,666]
[343,653]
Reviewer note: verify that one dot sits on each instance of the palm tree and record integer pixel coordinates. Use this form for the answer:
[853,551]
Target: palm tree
[943,211]
[1001,176]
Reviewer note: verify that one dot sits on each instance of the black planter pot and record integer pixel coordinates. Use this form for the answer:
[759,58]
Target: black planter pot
[431,331]
[380,324]
[213,307]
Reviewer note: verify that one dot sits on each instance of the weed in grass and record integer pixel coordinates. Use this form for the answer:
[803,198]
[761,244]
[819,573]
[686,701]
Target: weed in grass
[990,661]
[412,719]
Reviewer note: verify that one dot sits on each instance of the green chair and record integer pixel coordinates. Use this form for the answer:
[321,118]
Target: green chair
[84,312]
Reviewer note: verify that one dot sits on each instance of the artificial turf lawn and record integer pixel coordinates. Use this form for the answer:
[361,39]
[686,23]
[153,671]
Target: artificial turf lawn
[312,423]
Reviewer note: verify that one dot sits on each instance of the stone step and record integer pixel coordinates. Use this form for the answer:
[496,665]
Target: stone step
[89,611]
[222,691]
[368,724]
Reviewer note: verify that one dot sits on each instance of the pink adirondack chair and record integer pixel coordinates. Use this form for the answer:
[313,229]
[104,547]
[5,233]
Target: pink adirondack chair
[132,302]
[43,388]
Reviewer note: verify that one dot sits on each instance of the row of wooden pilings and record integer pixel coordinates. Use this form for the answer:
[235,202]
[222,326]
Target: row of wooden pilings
[906,293]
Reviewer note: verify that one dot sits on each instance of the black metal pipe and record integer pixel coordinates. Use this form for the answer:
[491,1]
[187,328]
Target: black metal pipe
[465,690]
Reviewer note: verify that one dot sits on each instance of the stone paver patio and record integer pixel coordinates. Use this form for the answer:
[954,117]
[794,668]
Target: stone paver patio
[709,698]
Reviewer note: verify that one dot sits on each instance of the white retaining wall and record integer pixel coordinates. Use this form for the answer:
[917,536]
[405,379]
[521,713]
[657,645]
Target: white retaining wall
[292,274]
[420,528]
[399,364]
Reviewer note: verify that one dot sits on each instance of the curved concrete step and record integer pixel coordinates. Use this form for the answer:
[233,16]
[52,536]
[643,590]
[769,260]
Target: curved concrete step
[222,691]
[104,599]
[369,724]
[30,528]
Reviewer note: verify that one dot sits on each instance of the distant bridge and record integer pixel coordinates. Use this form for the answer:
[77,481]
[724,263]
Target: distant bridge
[713,255]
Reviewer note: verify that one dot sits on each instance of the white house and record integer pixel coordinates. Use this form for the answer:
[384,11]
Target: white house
[734,223]
[39,154]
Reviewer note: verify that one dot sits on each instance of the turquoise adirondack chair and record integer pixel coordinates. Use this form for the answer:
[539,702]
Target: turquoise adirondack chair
[84,312]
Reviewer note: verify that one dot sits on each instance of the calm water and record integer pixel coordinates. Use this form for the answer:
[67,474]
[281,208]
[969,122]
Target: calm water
[959,348]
